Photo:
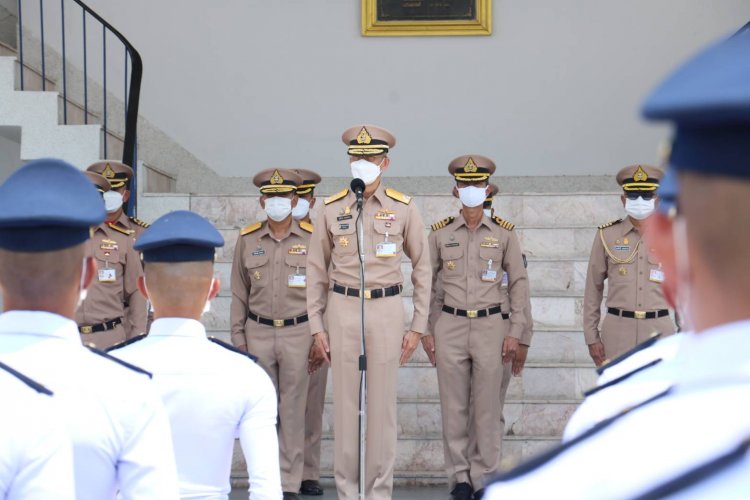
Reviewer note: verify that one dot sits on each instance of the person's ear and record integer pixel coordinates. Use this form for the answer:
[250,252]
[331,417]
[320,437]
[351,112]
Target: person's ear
[622,199]
[312,201]
[215,287]
[455,191]
[90,272]
[263,201]
[142,286]
[125,196]
[384,165]
[295,198]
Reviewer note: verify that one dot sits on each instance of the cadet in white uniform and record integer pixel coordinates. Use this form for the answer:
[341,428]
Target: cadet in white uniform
[36,460]
[116,421]
[211,390]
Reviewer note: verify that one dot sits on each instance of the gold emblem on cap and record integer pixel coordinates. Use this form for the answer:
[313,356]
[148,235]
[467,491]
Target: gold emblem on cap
[108,172]
[470,166]
[640,175]
[276,178]
[364,137]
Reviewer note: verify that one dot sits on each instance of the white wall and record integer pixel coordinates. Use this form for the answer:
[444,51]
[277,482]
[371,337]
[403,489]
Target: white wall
[245,84]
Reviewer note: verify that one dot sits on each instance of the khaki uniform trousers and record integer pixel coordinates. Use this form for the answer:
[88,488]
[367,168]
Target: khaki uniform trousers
[103,340]
[619,335]
[316,397]
[283,353]
[384,332]
[470,377]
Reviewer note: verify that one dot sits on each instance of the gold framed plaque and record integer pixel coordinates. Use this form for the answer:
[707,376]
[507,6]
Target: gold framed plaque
[426,17]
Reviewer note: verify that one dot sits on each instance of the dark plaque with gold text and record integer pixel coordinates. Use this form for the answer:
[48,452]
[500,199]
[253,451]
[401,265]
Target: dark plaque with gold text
[426,10]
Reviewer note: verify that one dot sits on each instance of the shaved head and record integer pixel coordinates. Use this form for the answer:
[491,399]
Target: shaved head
[178,289]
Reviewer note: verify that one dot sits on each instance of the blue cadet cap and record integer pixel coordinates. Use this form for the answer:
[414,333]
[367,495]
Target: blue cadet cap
[179,236]
[667,192]
[708,99]
[48,205]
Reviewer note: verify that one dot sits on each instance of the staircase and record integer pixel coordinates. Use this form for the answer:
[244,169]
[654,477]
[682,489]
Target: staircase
[556,233]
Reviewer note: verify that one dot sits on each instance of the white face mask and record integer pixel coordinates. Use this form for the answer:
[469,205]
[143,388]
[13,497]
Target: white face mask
[639,208]
[112,201]
[366,170]
[472,196]
[301,210]
[278,208]
[488,212]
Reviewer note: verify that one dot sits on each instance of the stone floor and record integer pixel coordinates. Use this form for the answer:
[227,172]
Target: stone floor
[399,493]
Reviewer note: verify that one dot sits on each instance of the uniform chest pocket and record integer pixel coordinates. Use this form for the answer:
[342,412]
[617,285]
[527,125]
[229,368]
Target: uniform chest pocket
[256,270]
[110,264]
[295,271]
[454,262]
[620,272]
[344,237]
[495,255]
[387,231]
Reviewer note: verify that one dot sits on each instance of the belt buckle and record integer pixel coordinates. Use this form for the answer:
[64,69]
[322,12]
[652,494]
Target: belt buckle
[472,314]
[368,294]
[278,323]
[640,315]
[86,329]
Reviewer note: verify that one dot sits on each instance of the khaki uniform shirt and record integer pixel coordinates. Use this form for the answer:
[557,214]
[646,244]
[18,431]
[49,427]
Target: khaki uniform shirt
[263,275]
[132,224]
[634,276]
[334,243]
[460,258]
[115,285]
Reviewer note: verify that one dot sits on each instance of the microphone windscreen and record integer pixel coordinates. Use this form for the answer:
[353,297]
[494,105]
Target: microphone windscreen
[357,185]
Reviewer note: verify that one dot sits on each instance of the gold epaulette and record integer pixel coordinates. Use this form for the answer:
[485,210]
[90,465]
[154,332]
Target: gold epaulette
[398,196]
[442,223]
[336,196]
[122,230]
[251,228]
[503,223]
[306,226]
[139,222]
[610,223]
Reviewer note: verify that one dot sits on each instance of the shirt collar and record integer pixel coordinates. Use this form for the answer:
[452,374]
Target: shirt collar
[461,221]
[379,193]
[177,327]
[627,225]
[40,323]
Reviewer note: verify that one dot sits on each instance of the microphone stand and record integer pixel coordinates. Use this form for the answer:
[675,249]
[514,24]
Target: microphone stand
[362,356]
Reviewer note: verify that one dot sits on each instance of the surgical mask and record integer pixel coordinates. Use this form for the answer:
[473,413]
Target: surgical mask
[487,212]
[639,208]
[82,292]
[112,201]
[278,208]
[683,285]
[301,210]
[365,170]
[472,196]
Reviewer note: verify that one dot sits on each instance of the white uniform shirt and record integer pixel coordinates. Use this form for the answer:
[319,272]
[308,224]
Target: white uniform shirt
[212,395]
[36,459]
[117,424]
[705,416]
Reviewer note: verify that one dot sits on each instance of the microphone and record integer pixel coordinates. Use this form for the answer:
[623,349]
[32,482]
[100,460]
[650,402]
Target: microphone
[358,187]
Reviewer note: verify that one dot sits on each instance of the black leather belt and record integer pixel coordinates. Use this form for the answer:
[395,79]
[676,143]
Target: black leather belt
[278,323]
[638,314]
[100,327]
[375,293]
[475,313]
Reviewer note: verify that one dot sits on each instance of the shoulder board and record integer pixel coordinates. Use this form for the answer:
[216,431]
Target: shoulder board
[621,378]
[232,348]
[503,223]
[126,342]
[336,196]
[548,456]
[609,363]
[119,361]
[442,223]
[251,228]
[398,196]
[26,380]
[610,223]
[120,229]
[306,226]
[138,222]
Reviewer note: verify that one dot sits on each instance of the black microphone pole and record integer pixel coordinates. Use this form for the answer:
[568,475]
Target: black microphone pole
[358,188]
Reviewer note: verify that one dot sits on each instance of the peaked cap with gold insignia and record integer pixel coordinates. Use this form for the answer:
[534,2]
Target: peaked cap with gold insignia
[101,183]
[471,168]
[277,181]
[309,178]
[117,173]
[368,140]
[639,178]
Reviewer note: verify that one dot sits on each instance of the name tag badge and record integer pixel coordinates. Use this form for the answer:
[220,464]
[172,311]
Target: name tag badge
[622,248]
[657,276]
[297,281]
[385,249]
[107,275]
[343,227]
[504,280]
[489,275]
[258,252]
[344,217]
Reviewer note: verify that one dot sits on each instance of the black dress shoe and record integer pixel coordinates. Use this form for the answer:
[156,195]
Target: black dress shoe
[462,491]
[479,494]
[311,487]
[288,495]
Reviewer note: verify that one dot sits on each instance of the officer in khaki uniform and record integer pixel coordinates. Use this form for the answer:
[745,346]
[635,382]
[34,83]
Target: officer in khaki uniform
[473,338]
[103,317]
[635,304]
[268,312]
[119,176]
[316,390]
[392,228]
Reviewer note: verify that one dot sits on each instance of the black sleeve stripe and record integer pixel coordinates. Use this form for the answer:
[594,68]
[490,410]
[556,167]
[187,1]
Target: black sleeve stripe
[232,348]
[622,357]
[621,378]
[119,361]
[26,380]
